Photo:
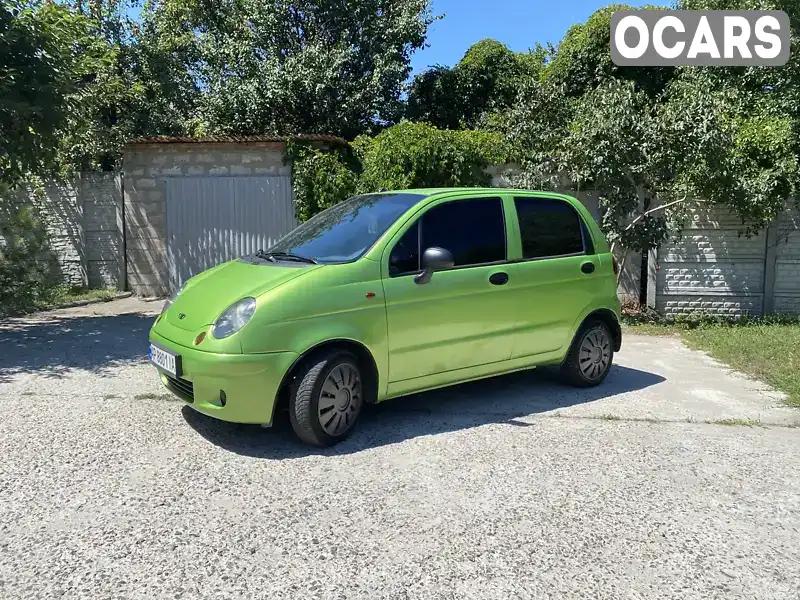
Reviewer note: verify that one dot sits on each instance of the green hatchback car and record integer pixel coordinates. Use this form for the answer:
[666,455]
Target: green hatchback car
[389,294]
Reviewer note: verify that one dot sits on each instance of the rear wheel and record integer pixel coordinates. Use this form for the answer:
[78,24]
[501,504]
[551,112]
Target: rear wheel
[591,355]
[326,399]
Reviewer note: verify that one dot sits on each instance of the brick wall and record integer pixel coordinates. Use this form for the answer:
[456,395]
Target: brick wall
[147,166]
[82,219]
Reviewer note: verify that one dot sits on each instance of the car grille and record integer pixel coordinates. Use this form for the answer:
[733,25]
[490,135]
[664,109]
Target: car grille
[181,387]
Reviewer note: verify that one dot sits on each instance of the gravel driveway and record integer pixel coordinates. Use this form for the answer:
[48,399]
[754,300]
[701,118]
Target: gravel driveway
[514,487]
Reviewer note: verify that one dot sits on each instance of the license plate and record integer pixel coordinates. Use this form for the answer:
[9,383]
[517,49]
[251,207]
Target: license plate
[166,361]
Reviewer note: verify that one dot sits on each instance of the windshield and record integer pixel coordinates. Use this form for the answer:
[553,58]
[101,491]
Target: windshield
[347,230]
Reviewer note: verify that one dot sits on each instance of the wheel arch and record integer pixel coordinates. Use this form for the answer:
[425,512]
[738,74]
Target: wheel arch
[608,317]
[360,351]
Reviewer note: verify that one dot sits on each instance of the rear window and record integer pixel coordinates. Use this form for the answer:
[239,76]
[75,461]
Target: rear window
[549,228]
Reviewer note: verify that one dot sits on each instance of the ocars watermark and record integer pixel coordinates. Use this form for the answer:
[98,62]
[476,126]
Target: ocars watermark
[723,38]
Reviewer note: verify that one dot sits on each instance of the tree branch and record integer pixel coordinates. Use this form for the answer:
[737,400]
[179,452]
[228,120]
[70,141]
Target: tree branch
[647,212]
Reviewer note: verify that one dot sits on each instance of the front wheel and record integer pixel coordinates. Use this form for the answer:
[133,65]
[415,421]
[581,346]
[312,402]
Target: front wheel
[326,399]
[589,359]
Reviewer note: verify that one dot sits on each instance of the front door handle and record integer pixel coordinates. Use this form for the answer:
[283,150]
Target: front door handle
[498,278]
[587,267]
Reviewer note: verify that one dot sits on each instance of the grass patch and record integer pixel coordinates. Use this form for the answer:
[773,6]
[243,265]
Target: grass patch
[67,295]
[656,329]
[153,396]
[767,349]
[610,418]
[736,422]
[55,297]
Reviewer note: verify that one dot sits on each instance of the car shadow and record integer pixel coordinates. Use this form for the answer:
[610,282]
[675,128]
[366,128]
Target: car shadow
[55,345]
[503,399]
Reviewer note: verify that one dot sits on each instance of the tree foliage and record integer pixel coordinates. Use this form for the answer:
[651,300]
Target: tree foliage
[654,142]
[284,66]
[321,178]
[418,155]
[46,53]
[408,155]
[23,245]
[582,60]
[484,82]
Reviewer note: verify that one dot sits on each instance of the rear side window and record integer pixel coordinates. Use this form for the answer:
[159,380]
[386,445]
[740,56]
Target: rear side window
[473,230]
[549,228]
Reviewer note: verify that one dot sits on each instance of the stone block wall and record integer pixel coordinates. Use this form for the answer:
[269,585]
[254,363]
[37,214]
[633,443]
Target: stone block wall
[82,219]
[147,167]
[711,268]
[101,196]
[787,263]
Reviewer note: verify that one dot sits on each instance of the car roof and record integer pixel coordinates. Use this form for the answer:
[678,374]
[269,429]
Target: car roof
[492,190]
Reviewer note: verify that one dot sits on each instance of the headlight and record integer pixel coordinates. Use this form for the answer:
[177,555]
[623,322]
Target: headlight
[172,299]
[234,318]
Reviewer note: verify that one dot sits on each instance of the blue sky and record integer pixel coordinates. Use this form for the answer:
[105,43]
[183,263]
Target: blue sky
[517,23]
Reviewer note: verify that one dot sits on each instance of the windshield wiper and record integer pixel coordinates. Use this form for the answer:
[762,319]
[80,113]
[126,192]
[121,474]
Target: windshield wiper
[272,255]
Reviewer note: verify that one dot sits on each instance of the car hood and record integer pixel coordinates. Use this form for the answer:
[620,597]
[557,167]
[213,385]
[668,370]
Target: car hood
[211,292]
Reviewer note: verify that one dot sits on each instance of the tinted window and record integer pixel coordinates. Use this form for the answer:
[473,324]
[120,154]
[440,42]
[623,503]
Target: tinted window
[405,254]
[548,228]
[473,230]
[347,230]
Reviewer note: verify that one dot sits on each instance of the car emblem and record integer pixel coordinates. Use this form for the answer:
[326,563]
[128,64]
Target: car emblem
[181,316]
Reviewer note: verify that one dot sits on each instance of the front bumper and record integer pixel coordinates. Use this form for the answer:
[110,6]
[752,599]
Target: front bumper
[250,382]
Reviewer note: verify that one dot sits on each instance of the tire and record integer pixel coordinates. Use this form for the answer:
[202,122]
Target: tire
[326,399]
[591,355]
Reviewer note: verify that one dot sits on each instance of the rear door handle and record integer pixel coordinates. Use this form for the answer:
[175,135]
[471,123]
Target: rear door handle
[587,267]
[498,278]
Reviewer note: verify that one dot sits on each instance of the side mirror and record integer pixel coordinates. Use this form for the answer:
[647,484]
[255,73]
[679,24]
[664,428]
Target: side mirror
[434,259]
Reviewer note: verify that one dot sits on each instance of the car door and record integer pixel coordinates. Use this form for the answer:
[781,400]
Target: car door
[460,318]
[557,276]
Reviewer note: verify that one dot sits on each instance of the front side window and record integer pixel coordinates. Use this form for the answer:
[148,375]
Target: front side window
[548,228]
[344,232]
[404,258]
[472,230]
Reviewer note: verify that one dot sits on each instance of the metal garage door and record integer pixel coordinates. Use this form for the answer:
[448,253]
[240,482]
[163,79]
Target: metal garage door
[211,220]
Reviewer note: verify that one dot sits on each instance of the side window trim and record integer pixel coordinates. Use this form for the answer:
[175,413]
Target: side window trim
[418,225]
[584,233]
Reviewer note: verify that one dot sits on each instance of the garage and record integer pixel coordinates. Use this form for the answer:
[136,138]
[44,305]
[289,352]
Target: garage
[211,220]
[193,203]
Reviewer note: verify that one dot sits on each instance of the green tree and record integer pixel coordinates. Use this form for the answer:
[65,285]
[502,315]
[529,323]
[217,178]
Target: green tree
[484,82]
[418,155]
[101,115]
[284,66]
[650,161]
[435,97]
[582,59]
[45,50]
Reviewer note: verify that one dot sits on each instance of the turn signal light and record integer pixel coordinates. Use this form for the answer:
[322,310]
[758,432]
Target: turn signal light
[199,338]
[616,265]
